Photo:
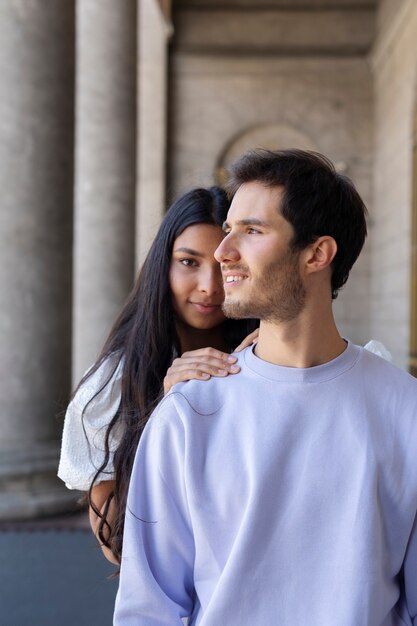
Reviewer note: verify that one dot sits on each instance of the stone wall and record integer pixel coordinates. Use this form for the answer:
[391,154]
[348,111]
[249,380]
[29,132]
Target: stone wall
[394,63]
[36,180]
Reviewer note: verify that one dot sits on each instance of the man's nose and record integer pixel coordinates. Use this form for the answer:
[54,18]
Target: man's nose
[226,251]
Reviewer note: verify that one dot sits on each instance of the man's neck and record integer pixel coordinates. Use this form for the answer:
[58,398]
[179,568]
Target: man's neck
[304,342]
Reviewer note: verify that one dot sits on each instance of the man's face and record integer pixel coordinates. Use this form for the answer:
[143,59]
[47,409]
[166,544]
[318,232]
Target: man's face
[260,271]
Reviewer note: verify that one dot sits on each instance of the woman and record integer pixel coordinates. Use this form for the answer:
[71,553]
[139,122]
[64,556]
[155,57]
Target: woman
[174,309]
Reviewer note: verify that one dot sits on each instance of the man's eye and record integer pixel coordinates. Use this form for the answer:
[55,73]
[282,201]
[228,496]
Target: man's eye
[253,231]
[188,262]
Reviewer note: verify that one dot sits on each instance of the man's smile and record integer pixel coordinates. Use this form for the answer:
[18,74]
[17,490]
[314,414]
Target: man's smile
[233,277]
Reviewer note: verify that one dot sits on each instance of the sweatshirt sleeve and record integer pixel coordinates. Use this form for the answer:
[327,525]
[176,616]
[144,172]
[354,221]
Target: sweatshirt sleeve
[156,578]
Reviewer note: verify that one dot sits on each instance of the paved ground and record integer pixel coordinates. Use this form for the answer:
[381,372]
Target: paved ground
[52,573]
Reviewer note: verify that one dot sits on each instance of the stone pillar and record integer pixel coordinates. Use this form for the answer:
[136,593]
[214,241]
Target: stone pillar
[36,179]
[154,30]
[105,171]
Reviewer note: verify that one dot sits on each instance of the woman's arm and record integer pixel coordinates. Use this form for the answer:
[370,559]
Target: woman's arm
[99,496]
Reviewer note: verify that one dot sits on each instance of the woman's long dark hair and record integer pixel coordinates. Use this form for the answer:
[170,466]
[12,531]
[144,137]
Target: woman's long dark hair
[145,337]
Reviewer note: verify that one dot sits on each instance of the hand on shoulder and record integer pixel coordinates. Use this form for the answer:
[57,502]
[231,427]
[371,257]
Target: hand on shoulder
[200,364]
[204,363]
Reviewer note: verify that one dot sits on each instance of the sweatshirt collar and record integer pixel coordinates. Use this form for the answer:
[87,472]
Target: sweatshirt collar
[316,374]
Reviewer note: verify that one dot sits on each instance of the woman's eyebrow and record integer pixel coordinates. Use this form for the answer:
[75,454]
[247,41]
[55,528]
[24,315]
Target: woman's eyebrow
[188,251]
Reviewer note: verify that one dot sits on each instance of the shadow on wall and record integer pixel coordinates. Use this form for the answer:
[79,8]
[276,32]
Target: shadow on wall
[52,577]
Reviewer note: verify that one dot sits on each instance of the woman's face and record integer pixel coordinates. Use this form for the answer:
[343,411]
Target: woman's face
[195,278]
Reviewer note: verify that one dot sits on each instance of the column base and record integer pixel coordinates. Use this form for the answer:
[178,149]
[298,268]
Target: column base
[29,486]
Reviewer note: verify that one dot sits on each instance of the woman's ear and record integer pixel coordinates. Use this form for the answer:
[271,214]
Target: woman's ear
[320,254]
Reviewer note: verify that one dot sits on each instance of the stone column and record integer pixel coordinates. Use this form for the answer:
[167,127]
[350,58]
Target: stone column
[36,178]
[154,30]
[105,171]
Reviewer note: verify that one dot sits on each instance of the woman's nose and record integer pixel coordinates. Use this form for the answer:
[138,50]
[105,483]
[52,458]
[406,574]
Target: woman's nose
[211,281]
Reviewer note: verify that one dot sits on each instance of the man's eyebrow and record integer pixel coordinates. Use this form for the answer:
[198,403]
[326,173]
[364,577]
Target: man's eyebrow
[188,251]
[250,221]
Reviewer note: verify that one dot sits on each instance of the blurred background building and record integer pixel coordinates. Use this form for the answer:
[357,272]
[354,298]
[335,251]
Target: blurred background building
[110,109]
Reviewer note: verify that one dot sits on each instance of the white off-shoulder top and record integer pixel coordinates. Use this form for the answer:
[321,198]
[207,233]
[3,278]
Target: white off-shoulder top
[82,449]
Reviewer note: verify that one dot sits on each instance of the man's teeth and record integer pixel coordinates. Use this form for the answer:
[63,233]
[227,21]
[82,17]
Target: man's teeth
[232,279]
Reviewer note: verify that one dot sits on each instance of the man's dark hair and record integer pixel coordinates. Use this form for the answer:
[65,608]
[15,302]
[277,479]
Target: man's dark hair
[317,201]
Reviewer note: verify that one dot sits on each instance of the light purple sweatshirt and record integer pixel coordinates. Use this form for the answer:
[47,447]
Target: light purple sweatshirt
[279,496]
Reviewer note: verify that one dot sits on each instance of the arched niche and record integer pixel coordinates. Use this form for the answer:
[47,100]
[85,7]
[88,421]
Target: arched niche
[270,136]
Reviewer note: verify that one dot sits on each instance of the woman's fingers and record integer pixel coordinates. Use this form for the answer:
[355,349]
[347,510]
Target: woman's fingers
[200,365]
[212,367]
[252,338]
[207,352]
[190,368]
[206,358]
[179,376]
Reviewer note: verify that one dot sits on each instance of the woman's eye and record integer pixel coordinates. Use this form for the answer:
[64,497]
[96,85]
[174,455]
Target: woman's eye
[188,262]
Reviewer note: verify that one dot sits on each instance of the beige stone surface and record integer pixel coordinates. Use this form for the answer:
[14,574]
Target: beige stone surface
[105,158]
[394,62]
[387,12]
[154,32]
[36,181]
[285,31]
[278,4]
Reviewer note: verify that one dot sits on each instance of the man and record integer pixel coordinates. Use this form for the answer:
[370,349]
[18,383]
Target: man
[285,495]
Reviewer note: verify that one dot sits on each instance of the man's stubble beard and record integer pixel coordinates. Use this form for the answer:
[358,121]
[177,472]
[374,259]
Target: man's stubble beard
[277,296]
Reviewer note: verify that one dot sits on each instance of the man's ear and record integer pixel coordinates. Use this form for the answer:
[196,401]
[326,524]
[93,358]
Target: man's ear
[320,254]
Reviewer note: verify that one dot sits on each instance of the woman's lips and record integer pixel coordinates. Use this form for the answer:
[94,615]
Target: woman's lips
[206,309]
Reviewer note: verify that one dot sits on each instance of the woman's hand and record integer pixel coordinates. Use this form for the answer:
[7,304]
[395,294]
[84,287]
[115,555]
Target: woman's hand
[252,338]
[201,365]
